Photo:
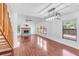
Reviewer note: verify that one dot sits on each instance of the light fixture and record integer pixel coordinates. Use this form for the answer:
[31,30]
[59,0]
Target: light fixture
[27,19]
[53,15]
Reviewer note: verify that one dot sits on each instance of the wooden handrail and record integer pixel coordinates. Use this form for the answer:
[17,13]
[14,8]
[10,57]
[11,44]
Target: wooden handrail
[5,25]
[5,38]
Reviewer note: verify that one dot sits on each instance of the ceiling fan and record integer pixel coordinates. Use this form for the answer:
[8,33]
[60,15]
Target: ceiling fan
[55,13]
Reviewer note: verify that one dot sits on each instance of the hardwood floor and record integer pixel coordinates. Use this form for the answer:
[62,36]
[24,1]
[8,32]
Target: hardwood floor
[39,46]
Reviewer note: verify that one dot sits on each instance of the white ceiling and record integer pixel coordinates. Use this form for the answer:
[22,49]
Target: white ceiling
[28,9]
[41,9]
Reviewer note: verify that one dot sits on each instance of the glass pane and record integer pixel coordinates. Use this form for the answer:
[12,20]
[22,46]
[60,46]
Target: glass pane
[69,30]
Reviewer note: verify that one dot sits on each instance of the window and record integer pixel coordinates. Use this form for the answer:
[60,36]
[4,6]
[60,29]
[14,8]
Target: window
[70,30]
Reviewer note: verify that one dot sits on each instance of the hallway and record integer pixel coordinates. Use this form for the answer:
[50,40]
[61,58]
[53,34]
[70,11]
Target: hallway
[40,46]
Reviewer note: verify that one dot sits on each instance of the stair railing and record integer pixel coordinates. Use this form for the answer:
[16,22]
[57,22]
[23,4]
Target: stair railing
[5,38]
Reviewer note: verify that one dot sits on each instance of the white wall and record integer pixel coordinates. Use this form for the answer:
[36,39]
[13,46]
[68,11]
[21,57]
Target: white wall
[14,21]
[22,22]
[13,18]
[78,31]
[55,30]
[69,17]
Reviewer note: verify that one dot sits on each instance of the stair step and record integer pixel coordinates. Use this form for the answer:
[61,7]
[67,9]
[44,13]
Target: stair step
[2,40]
[5,52]
[5,44]
[1,37]
[5,47]
[0,33]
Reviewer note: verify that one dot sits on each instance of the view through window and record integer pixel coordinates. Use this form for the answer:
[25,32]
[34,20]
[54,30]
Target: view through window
[70,30]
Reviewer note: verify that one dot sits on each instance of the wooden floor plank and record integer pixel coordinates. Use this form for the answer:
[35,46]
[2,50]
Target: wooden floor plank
[39,46]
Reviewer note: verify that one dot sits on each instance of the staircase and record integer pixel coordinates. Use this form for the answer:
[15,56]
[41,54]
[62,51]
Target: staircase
[5,48]
[6,32]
